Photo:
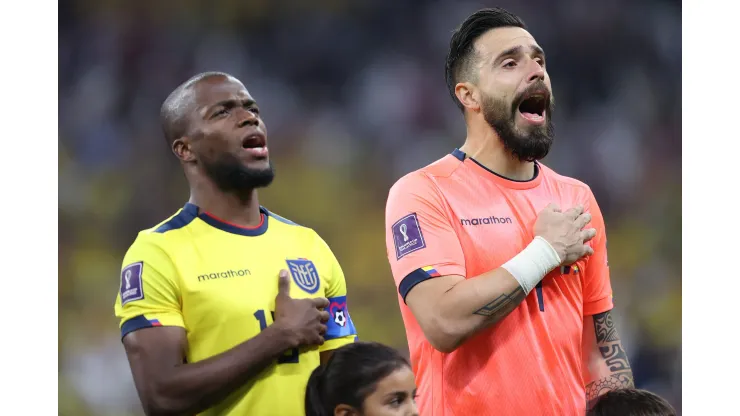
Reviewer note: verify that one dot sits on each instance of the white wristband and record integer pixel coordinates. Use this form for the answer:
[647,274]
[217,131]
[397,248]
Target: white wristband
[533,263]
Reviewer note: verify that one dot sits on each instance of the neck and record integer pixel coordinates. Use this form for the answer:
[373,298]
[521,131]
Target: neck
[239,208]
[483,144]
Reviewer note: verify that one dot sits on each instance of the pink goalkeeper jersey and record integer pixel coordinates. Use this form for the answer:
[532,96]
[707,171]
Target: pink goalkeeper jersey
[455,217]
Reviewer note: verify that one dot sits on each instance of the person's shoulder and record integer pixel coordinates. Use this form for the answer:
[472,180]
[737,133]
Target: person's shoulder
[424,178]
[304,235]
[179,220]
[285,226]
[285,223]
[165,233]
[564,181]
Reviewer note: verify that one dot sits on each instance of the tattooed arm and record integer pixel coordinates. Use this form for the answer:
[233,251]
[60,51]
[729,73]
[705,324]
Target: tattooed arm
[451,309]
[606,366]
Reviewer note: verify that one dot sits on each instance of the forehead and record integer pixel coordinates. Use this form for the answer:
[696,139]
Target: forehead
[213,90]
[401,379]
[492,43]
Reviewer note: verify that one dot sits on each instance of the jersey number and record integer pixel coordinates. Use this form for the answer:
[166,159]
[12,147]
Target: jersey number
[540,298]
[290,356]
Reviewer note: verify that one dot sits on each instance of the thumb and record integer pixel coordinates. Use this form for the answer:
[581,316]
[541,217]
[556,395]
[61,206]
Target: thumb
[283,283]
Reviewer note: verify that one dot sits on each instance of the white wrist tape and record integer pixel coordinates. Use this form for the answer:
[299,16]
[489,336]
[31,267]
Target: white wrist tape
[533,263]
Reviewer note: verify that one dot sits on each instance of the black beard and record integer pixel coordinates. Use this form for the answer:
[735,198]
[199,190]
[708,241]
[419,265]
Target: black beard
[525,146]
[230,175]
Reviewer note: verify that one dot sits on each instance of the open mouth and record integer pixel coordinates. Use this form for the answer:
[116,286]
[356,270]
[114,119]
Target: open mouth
[253,141]
[534,106]
[255,144]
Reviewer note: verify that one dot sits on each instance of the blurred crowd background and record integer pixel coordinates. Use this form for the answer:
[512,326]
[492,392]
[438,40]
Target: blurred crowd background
[353,95]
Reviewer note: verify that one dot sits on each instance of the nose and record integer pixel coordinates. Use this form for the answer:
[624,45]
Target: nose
[248,118]
[537,72]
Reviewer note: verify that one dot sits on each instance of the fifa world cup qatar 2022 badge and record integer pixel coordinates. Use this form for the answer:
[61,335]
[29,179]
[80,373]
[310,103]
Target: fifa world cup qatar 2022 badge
[132,288]
[407,236]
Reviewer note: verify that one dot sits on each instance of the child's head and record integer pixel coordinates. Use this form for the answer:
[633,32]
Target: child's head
[363,378]
[631,402]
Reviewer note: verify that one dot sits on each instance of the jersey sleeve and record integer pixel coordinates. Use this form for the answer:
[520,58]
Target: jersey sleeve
[340,330]
[148,295]
[597,289]
[420,240]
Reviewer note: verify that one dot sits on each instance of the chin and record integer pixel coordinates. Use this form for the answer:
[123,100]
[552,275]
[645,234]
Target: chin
[258,165]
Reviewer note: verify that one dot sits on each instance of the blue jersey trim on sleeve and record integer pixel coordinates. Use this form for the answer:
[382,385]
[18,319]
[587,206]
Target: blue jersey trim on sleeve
[340,324]
[411,280]
[183,218]
[136,323]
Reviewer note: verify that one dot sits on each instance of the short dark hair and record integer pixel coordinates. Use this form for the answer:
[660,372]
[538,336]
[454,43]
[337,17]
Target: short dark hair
[174,111]
[351,374]
[461,56]
[631,402]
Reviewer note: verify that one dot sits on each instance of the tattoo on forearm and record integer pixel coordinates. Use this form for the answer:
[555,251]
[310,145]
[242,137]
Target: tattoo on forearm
[605,329]
[610,347]
[615,381]
[615,357]
[500,303]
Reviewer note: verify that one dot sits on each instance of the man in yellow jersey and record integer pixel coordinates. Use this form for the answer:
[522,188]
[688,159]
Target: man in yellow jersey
[225,307]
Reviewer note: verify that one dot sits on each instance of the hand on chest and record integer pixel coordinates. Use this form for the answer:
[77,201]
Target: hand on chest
[239,282]
[493,230]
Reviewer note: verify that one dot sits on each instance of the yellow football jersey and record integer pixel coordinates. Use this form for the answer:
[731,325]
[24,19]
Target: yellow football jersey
[219,282]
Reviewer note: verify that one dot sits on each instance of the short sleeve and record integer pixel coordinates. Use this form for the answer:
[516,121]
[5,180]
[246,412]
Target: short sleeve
[597,292]
[420,240]
[340,330]
[148,295]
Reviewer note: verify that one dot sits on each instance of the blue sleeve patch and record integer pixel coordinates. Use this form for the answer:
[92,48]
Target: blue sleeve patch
[340,324]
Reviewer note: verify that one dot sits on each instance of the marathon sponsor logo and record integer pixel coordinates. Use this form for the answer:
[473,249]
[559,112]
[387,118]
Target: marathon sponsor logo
[228,274]
[486,221]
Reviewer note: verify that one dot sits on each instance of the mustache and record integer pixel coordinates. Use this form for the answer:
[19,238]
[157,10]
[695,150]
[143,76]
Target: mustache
[538,87]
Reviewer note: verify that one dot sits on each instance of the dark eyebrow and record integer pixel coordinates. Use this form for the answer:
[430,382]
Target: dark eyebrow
[233,103]
[396,393]
[516,50]
[230,103]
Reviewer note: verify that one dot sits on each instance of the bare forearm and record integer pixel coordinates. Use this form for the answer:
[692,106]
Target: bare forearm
[611,369]
[192,388]
[474,304]
[614,381]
